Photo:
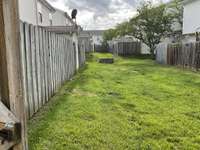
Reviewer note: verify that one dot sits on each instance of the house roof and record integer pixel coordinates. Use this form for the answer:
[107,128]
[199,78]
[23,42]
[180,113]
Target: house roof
[46,4]
[185,2]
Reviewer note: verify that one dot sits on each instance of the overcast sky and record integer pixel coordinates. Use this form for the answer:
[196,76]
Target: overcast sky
[100,14]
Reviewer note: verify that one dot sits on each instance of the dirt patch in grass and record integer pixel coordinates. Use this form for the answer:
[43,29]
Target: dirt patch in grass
[78,92]
[88,116]
[128,106]
[193,115]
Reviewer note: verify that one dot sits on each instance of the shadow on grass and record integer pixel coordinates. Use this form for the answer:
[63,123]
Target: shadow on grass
[140,56]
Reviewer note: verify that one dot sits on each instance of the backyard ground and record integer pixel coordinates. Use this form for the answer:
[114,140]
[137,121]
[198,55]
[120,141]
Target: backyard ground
[131,104]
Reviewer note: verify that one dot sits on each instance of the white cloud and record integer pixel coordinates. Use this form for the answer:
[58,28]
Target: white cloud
[100,14]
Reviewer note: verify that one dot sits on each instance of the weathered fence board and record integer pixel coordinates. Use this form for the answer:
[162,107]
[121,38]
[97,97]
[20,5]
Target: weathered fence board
[184,55]
[48,60]
[24,65]
[29,70]
[126,48]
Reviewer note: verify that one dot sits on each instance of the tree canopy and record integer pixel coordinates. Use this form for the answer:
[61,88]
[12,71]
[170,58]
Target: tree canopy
[150,25]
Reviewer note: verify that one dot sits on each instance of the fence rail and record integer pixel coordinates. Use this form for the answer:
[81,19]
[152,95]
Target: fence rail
[48,60]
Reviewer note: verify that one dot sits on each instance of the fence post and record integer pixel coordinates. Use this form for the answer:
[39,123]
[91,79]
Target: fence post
[11,65]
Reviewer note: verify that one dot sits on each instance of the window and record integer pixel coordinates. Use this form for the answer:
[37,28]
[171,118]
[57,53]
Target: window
[40,17]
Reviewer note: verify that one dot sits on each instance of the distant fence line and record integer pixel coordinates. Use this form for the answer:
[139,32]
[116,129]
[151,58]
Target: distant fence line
[87,43]
[185,55]
[48,60]
[125,48]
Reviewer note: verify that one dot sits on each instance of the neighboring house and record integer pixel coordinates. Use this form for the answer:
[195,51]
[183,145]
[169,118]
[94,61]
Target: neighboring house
[61,18]
[45,13]
[96,37]
[28,11]
[191,26]
[191,21]
[50,16]
[40,12]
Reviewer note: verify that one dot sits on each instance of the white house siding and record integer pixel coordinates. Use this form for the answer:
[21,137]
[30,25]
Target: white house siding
[59,18]
[97,39]
[28,11]
[69,22]
[45,15]
[191,21]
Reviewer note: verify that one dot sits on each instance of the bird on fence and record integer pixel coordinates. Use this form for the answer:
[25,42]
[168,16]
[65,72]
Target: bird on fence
[74,14]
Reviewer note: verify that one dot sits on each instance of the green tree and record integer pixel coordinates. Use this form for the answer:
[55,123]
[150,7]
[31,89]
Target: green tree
[109,34]
[177,11]
[123,29]
[151,24]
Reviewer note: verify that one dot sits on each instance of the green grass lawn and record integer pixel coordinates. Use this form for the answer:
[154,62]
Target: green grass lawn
[133,104]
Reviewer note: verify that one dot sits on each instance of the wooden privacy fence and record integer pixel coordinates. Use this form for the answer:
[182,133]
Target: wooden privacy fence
[185,55]
[34,63]
[87,43]
[48,60]
[126,48]
[82,48]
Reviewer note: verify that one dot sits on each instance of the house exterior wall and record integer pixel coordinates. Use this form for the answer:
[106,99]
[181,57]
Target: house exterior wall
[45,15]
[28,11]
[97,39]
[69,22]
[59,18]
[191,19]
